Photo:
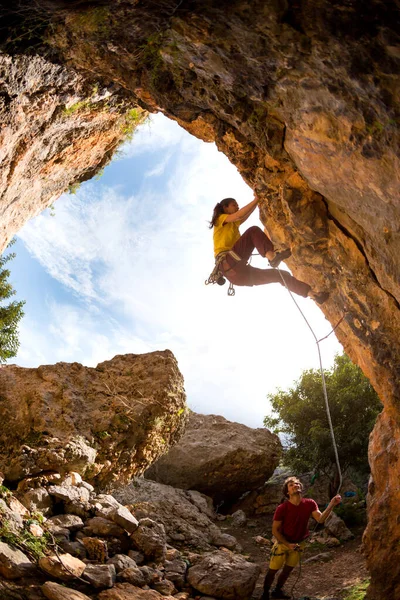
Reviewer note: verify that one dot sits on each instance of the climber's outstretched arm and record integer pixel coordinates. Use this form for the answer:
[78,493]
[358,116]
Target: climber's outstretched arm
[242,213]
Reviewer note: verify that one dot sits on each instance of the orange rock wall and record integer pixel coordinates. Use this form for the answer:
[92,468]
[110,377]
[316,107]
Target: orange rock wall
[57,129]
[302,97]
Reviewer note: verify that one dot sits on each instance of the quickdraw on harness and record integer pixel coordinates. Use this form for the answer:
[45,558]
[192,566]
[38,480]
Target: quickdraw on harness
[217,275]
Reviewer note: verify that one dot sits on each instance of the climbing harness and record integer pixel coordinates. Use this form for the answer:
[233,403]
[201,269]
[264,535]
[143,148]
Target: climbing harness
[217,275]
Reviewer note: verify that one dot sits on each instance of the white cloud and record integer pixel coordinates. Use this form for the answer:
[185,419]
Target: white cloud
[143,260]
[159,169]
[75,333]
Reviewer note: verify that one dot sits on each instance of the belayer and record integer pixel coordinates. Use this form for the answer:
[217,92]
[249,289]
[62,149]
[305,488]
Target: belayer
[290,529]
[232,252]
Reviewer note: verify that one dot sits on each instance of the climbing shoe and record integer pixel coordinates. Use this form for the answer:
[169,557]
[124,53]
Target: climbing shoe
[279,593]
[279,257]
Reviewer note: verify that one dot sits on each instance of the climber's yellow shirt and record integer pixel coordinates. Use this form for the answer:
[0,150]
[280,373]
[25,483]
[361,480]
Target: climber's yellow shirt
[225,236]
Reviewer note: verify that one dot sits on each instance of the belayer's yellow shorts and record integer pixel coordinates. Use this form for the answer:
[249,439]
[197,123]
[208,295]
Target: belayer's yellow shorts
[281,555]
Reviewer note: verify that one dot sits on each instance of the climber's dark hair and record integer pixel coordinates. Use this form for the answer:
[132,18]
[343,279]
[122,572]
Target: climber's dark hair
[219,209]
[286,484]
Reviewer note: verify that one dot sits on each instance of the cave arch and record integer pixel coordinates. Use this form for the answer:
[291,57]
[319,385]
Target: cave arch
[301,97]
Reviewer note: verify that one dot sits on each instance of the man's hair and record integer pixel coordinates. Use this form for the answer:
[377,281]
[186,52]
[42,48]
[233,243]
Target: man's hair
[286,485]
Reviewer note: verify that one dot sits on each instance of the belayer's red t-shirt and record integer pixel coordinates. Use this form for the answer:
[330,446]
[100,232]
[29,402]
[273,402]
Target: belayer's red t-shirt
[295,519]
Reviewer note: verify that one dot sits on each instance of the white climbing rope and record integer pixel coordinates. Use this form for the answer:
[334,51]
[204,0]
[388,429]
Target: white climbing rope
[328,412]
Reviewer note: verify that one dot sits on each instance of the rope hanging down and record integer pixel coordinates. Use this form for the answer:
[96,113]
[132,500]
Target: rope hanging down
[328,412]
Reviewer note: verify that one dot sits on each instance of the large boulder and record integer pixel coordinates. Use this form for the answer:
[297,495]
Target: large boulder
[223,574]
[186,515]
[107,423]
[218,458]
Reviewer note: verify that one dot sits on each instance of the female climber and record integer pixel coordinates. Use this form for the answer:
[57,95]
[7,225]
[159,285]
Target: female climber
[232,251]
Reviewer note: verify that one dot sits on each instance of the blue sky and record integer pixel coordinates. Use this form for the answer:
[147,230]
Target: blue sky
[121,266]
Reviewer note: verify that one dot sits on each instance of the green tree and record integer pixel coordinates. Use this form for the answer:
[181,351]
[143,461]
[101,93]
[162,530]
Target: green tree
[10,314]
[300,415]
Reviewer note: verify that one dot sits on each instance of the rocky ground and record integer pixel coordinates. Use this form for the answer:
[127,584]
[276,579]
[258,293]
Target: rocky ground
[62,541]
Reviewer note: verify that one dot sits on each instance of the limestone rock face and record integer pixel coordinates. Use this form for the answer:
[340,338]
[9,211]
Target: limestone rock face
[57,129]
[218,458]
[303,99]
[108,422]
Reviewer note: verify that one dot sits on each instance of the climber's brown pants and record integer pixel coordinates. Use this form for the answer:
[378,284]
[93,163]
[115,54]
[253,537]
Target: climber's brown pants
[240,273]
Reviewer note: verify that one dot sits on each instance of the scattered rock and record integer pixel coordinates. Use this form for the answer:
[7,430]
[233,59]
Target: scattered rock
[69,494]
[75,548]
[259,539]
[218,458]
[96,549]
[150,538]
[38,500]
[121,562]
[55,591]
[14,520]
[337,528]
[175,571]
[103,527]
[239,519]
[137,556]
[100,576]
[133,575]
[165,587]
[70,522]
[66,567]
[104,504]
[126,591]
[122,517]
[60,533]
[14,563]
[35,530]
[224,575]
[322,557]
[225,540]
